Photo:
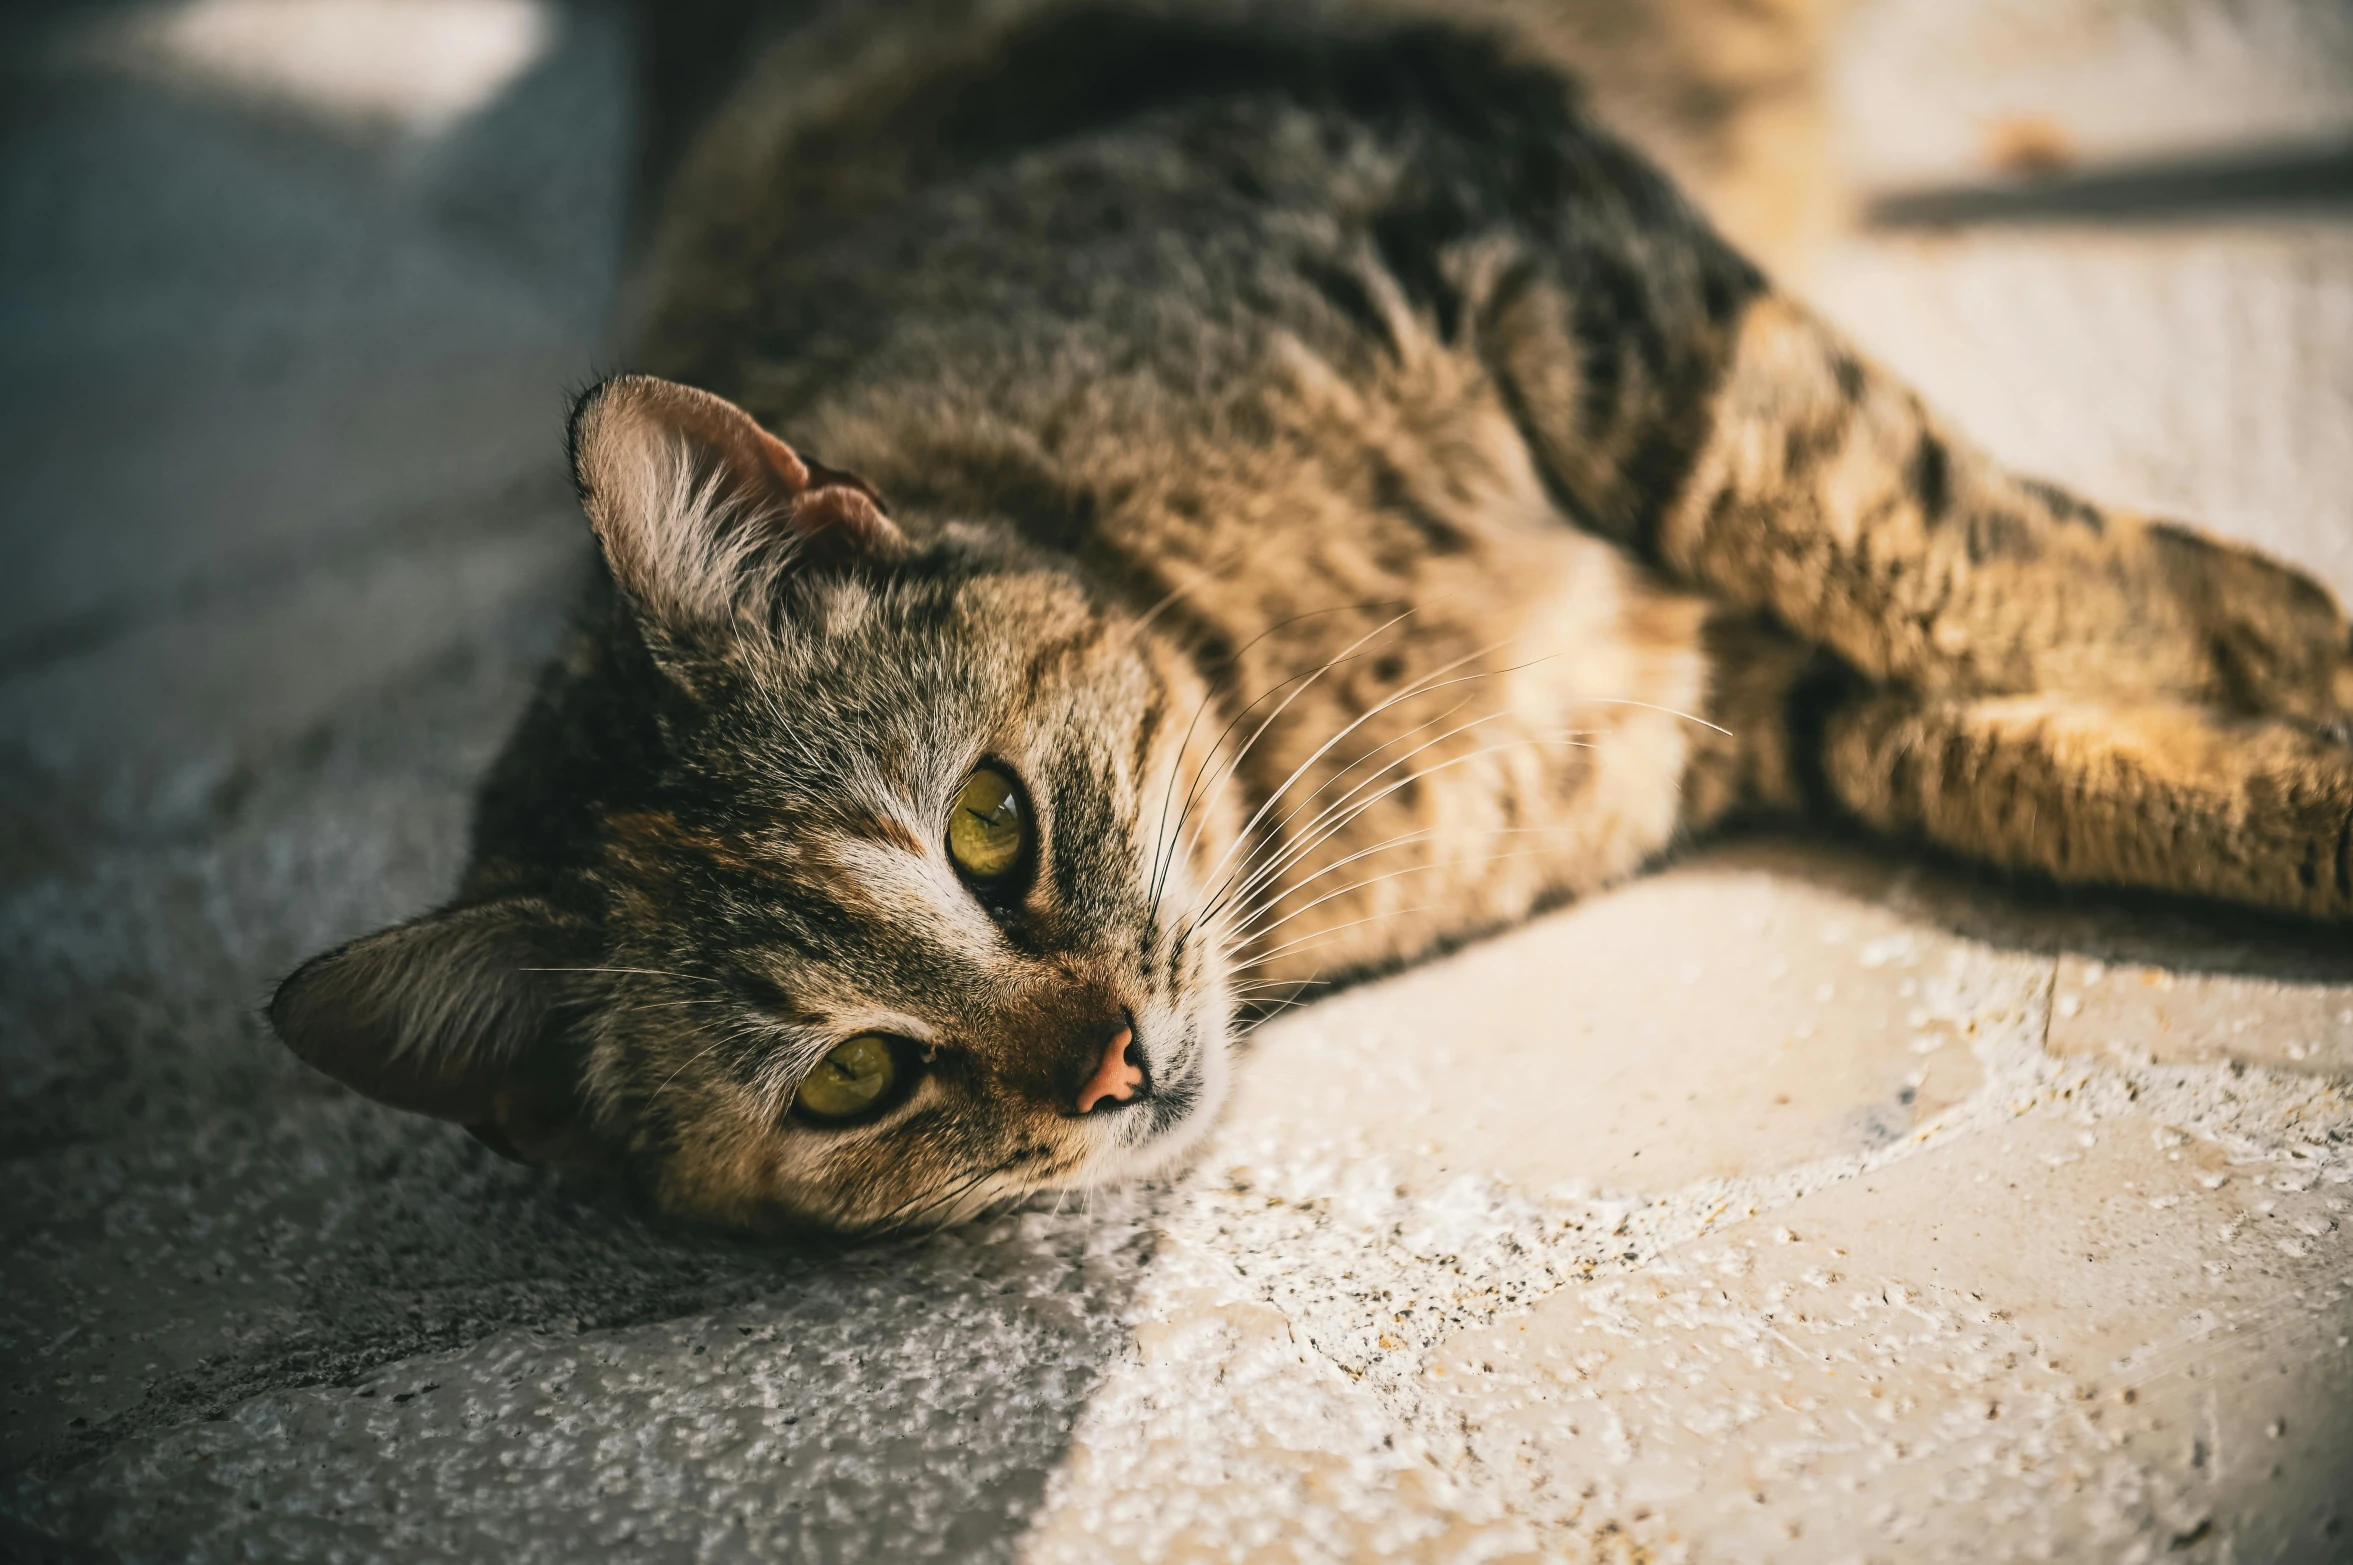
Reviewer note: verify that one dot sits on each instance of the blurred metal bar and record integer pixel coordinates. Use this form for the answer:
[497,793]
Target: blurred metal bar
[2275,179]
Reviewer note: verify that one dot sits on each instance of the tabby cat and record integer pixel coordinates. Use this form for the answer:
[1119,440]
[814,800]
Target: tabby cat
[1294,496]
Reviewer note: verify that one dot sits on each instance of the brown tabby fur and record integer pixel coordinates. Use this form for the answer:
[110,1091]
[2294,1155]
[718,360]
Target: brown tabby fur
[1285,392]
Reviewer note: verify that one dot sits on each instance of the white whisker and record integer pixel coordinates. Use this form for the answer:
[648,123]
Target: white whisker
[1324,934]
[1218,788]
[1374,880]
[1290,853]
[1317,838]
[733,1035]
[1652,706]
[1418,688]
[1162,841]
[650,972]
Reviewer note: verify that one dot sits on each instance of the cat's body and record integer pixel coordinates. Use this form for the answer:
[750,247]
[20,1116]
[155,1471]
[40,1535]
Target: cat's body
[1351,501]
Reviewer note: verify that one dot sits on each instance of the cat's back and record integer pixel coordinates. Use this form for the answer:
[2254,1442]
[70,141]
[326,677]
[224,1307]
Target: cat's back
[1193,296]
[907,202]
[1038,270]
[839,117]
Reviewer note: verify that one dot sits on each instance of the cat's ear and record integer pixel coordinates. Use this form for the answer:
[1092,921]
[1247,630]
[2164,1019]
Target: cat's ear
[700,510]
[461,1015]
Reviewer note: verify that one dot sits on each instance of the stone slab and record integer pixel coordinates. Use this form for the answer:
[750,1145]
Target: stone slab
[2093,1310]
[2045,1341]
[2156,1013]
[1739,1014]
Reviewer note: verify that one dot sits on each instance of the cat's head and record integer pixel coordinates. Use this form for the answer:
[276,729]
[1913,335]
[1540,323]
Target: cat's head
[901,918]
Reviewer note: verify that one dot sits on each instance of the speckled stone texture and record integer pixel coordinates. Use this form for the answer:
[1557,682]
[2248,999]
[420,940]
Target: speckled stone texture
[1821,1241]
[1801,1202]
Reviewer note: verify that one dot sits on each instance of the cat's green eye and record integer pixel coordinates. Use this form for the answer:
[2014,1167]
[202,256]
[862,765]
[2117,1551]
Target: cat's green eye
[852,1079]
[987,830]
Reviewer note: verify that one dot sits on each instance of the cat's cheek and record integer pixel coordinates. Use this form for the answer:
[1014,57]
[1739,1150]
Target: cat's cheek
[730,1175]
[814,1188]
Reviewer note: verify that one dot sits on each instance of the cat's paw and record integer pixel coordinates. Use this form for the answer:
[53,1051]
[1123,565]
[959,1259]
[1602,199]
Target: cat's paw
[2276,642]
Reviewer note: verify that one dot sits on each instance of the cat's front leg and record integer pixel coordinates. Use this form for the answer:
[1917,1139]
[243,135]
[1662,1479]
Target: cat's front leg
[2168,797]
[1825,494]
[2162,795]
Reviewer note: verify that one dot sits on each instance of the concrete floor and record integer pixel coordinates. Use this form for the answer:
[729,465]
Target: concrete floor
[1800,1202]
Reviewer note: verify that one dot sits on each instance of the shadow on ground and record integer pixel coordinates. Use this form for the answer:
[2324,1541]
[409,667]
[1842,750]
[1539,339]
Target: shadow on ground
[2033,916]
[288,534]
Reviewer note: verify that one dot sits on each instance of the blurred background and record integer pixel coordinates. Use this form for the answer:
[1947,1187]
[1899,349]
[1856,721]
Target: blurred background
[292,297]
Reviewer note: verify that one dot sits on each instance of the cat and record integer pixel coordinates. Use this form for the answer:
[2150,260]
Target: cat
[1137,511]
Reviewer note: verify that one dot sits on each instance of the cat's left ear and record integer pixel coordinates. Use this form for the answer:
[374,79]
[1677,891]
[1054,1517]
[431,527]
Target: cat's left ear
[700,511]
[463,1015]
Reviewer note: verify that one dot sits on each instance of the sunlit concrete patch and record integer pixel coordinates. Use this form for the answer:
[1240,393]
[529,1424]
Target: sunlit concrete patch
[1726,1018]
[2151,1013]
[2052,1340]
[1387,1248]
[1602,1370]
[415,66]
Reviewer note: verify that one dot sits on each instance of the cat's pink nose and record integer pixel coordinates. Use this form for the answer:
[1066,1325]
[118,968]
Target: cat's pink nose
[1116,1079]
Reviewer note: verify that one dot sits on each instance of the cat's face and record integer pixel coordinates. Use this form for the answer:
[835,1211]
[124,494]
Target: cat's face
[891,950]
[906,926]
